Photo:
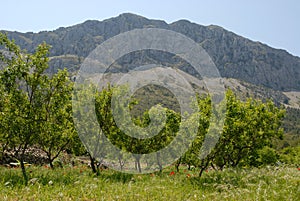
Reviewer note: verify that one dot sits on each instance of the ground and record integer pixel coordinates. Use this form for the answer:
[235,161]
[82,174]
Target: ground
[79,183]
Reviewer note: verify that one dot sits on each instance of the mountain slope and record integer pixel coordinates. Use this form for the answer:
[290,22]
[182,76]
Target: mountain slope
[235,56]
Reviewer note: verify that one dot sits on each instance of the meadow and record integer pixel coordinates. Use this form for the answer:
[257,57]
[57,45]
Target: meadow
[79,183]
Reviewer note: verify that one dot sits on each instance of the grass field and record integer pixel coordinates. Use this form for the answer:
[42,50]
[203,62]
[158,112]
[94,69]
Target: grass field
[78,183]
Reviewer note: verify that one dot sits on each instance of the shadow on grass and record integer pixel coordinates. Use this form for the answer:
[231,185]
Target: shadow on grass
[219,179]
[116,177]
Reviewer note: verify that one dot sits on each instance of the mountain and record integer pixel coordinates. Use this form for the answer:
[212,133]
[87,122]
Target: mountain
[250,67]
[235,56]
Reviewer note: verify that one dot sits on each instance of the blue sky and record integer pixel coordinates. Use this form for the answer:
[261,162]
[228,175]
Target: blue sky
[275,23]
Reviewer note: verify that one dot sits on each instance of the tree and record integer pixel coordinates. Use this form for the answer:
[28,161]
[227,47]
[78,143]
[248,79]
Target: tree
[58,130]
[249,127]
[127,146]
[88,130]
[191,157]
[4,102]
[35,105]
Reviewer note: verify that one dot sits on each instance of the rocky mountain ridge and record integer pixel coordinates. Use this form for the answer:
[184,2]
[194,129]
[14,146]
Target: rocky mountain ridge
[235,56]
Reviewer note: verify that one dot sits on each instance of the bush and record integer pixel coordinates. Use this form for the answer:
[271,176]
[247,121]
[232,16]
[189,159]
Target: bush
[267,156]
[290,155]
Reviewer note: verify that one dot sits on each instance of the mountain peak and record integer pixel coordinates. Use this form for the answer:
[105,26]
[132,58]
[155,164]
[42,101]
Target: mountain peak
[138,19]
[130,16]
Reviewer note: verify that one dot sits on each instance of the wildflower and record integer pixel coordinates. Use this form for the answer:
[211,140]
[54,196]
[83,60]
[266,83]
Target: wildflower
[188,175]
[299,168]
[172,173]
[33,180]
[7,183]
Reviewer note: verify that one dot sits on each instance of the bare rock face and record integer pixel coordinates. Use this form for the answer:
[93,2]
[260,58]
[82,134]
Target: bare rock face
[235,56]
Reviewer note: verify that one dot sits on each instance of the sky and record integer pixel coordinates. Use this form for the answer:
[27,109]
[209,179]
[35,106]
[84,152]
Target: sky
[273,22]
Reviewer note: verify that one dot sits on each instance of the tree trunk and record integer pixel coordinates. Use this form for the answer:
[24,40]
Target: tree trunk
[51,163]
[23,170]
[203,167]
[121,163]
[158,161]
[201,171]
[212,165]
[93,165]
[138,163]
[177,164]
[51,159]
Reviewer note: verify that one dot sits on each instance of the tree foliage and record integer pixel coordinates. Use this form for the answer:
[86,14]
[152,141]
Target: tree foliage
[127,143]
[249,127]
[35,106]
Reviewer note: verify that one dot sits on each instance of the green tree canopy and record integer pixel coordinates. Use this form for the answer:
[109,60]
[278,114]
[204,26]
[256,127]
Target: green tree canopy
[35,107]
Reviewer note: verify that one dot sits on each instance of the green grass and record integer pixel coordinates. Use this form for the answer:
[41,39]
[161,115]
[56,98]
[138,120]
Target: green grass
[79,183]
